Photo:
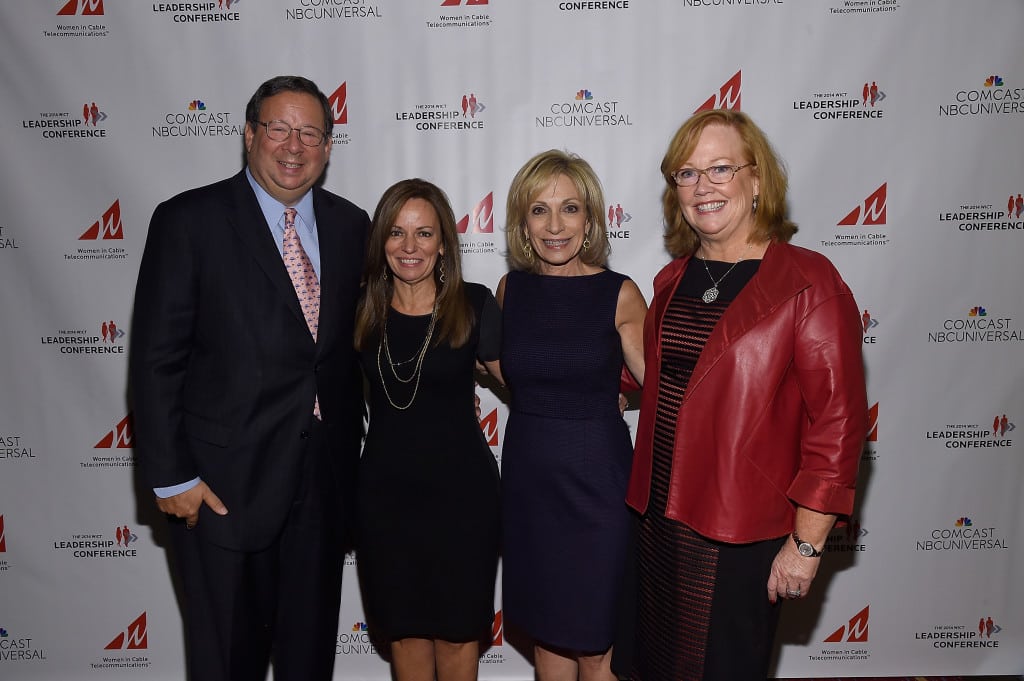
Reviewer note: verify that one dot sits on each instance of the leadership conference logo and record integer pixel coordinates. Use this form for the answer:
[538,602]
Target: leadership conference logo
[117,544]
[105,338]
[961,636]
[618,219]
[465,114]
[972,435]
[986,216]
[69,125]
[844,104]
[199,12]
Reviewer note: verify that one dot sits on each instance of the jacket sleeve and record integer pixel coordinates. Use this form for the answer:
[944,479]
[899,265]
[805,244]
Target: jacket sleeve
[161,342]
[830,374]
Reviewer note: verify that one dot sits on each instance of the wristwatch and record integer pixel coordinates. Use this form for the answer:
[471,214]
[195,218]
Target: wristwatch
[806,549]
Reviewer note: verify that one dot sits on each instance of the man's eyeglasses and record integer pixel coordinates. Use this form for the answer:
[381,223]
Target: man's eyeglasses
[687,177]
[279,131]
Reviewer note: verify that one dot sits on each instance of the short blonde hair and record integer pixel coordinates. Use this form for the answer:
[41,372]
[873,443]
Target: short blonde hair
[770,222]
[531,179]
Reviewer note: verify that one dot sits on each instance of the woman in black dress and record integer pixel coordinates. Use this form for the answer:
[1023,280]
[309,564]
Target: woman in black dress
[428,483]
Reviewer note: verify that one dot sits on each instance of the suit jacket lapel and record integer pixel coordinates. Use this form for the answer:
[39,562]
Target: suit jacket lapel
[330,239]
[247,220]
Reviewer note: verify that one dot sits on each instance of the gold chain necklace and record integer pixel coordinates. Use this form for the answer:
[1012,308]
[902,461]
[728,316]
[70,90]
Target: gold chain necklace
[417,370]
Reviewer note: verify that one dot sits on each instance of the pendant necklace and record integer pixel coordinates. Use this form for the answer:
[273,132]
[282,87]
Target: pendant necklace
[417,370]
[711,295]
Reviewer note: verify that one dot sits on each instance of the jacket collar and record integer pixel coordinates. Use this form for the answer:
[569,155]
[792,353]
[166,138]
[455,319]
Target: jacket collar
[777,280]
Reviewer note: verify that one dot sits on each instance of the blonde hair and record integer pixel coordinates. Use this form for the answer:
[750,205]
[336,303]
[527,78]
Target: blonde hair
[528,183]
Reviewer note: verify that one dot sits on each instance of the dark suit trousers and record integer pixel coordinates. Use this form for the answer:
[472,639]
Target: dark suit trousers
[244,609]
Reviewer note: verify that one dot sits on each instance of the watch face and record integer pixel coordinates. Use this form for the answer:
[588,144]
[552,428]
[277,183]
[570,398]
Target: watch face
[805,549]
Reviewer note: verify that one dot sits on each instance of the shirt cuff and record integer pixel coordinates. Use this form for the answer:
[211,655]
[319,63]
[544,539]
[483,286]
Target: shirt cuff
[164,492]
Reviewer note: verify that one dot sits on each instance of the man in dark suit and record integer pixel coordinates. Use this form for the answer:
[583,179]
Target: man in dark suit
[248,406]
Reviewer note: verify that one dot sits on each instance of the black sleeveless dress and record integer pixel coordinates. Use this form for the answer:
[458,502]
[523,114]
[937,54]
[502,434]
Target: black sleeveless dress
[428,522]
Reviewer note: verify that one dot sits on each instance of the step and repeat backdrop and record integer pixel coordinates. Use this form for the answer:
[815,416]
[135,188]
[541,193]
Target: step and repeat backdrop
[900,122]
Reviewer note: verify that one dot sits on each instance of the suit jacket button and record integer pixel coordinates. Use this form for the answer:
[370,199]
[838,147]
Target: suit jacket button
[304,434]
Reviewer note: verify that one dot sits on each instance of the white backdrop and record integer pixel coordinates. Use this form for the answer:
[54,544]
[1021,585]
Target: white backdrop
[110,106]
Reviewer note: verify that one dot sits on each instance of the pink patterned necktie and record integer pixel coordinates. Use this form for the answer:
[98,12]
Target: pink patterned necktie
[304,279]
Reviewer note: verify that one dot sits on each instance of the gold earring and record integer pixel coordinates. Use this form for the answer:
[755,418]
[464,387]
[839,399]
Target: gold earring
[527,249]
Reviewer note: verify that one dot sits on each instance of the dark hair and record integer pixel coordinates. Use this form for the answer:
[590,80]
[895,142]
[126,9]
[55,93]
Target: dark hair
[279,84]
[770,221]
[455,316]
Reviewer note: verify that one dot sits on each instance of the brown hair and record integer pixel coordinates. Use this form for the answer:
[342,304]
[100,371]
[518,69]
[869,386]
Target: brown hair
[455,315]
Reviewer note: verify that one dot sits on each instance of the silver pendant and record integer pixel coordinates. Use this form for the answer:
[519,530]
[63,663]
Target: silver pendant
[711,295]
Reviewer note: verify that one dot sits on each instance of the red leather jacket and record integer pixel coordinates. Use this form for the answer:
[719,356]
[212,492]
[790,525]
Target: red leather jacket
[775,413]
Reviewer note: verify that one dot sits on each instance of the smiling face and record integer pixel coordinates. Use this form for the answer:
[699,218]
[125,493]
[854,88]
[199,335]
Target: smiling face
[556,225]
[414,243]
[720,213]
[286,170]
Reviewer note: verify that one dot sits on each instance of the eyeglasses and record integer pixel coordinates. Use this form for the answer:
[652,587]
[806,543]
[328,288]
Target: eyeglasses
[687,177]
[279,131]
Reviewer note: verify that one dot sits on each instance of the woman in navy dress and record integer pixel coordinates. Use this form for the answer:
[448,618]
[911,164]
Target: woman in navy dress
[569,324]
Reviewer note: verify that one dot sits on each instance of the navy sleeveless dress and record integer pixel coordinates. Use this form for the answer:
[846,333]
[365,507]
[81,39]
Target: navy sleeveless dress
[565,460]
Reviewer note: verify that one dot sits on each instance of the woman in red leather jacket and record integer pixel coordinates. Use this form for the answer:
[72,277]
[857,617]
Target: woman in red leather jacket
[753,414]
